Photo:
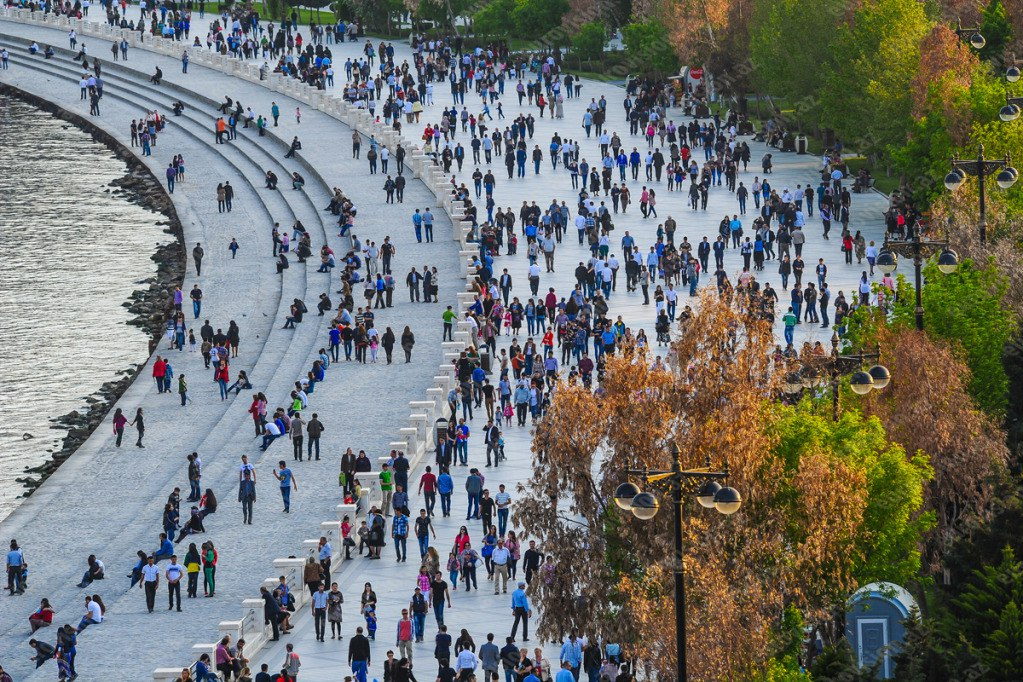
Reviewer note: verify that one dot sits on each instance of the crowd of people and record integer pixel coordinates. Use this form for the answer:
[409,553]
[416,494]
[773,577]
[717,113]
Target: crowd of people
[504,376]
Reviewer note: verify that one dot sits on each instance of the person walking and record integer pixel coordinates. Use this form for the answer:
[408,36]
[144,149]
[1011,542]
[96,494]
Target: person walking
[247,496]
[197,254]
[405,634]
[318,603]
[287,481]
[173,574]
[139,423]
[120,420]
[522,611]
[15,569]
[150,582]
[291,663]
[359,655]
[334,601]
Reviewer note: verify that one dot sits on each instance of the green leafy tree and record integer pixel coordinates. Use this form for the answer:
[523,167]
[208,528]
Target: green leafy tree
[274,9]
[869,74]
[588,42]
[789,44]
[534,18]
[442,12]
[648,49]
[997,31]
[494,18]
[966,308]
[886,547]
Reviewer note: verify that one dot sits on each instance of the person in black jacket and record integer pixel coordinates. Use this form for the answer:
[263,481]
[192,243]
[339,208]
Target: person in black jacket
[271,612]
[359,655]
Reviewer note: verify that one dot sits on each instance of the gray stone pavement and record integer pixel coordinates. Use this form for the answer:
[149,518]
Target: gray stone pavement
[479,612]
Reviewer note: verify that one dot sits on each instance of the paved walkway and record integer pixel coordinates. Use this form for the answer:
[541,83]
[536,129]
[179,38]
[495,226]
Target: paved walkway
[71,516]
[371,424]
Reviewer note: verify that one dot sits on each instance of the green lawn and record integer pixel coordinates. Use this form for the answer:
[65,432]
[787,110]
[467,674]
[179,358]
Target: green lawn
[304,15]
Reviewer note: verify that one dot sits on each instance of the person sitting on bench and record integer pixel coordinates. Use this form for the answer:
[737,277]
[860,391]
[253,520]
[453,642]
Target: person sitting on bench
[157,77]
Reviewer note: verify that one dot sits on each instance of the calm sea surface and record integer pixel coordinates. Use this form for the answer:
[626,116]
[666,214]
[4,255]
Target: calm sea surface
[74,252]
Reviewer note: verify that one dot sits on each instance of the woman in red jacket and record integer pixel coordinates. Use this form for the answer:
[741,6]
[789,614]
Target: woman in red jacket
[222,377]
[159,372]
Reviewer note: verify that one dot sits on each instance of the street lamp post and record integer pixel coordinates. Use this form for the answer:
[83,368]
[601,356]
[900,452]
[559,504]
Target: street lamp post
[919,249]
[711,490]
[830,370]
[970,36]
[982,168]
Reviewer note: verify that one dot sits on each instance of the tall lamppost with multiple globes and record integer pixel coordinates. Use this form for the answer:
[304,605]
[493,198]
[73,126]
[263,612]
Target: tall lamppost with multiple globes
[981,168]
[919,249]
[711,490]
[828,371]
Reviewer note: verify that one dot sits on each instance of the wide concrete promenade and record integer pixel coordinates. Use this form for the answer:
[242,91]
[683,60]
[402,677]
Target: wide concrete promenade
[108,501]
[365,406]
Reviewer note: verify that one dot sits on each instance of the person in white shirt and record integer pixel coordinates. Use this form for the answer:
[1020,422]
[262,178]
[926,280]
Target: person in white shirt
[174,573]
[150,581]
[245,466]
[499,559]
[466,661]
[93,614]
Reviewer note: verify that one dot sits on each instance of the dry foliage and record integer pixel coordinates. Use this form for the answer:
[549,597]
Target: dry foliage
[1004,236]
[927,407]
[948,65]
[611,574]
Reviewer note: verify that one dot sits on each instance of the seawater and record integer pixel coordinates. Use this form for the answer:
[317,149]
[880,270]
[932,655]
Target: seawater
[73,253]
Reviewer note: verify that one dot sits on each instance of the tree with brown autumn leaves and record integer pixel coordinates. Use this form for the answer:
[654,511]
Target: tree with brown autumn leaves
[812,505]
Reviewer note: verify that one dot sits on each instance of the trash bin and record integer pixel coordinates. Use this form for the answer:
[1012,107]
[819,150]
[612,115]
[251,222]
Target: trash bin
[801,144]
[485,359]
[439,427]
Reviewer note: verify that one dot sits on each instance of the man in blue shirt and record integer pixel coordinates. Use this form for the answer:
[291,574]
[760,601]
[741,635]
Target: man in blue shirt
[287,479]
[166,550]
[399,531]
[319,606]
[522,610]
[572,655]
[417,223]
[15,569]
[445,486]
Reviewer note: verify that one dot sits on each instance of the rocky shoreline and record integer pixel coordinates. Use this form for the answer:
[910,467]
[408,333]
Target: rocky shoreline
[150,304]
